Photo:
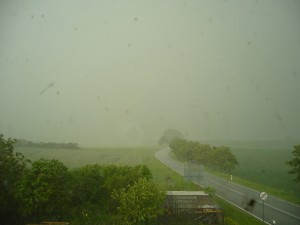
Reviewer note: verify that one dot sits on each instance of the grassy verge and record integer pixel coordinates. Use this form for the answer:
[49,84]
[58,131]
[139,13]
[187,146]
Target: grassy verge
[234,216]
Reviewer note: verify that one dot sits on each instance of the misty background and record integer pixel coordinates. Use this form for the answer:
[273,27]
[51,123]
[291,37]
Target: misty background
[119,73]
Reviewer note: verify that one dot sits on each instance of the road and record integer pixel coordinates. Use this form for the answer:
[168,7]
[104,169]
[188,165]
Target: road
[248,200]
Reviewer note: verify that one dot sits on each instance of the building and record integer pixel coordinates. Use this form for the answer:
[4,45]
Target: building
[190,207]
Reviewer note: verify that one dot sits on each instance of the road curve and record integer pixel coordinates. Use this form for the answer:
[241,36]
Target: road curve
[272,209]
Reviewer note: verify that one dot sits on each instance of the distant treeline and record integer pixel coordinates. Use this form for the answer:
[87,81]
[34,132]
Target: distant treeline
[25,143]
[218,158]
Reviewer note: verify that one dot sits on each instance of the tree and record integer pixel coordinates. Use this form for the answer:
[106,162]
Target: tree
[87,185]
[120,178]
[222,159]
[141,203]
[210,191]
[88,195]
[295,163]
[43,192]
[93,188]
[12,165]
[117,178]
[168,136]
[219,158]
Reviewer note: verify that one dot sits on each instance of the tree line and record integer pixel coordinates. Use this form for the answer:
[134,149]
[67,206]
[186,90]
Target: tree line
[218,158]
[25,143]
[46,190]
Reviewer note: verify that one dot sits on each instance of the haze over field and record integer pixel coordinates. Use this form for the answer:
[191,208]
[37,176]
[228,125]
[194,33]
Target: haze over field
[121,72]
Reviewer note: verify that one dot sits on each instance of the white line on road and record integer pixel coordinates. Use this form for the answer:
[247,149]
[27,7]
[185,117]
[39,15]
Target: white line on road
[280,210]
[239,193]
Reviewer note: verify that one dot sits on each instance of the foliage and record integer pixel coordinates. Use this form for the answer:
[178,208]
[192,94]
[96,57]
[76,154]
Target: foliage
[210,191]
[87,185]
[42,191]
[219,158]
[49,191]
[120,177]
[141,203]
[87,193]
[222,159]
[168,136]
[295,163]
[12,165]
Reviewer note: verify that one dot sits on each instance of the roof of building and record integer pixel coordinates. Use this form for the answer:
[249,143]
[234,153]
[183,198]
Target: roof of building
[187,193]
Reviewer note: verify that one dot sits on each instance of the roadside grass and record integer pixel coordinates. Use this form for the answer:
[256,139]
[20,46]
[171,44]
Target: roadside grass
[266,169]
[165,178]
[258,187]
[234,216]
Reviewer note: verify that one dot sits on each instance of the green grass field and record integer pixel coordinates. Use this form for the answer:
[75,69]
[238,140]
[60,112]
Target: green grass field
[80,157]
[266,169]
[162,175]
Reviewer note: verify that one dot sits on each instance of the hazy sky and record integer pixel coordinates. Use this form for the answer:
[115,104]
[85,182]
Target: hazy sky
[121,72]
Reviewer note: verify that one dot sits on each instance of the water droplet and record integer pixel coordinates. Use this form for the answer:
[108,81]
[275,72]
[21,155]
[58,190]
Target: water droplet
[206,115]
[294,73]
[279,118]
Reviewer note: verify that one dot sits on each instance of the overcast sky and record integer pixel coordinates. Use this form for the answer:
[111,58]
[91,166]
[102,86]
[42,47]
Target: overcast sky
[121,72]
